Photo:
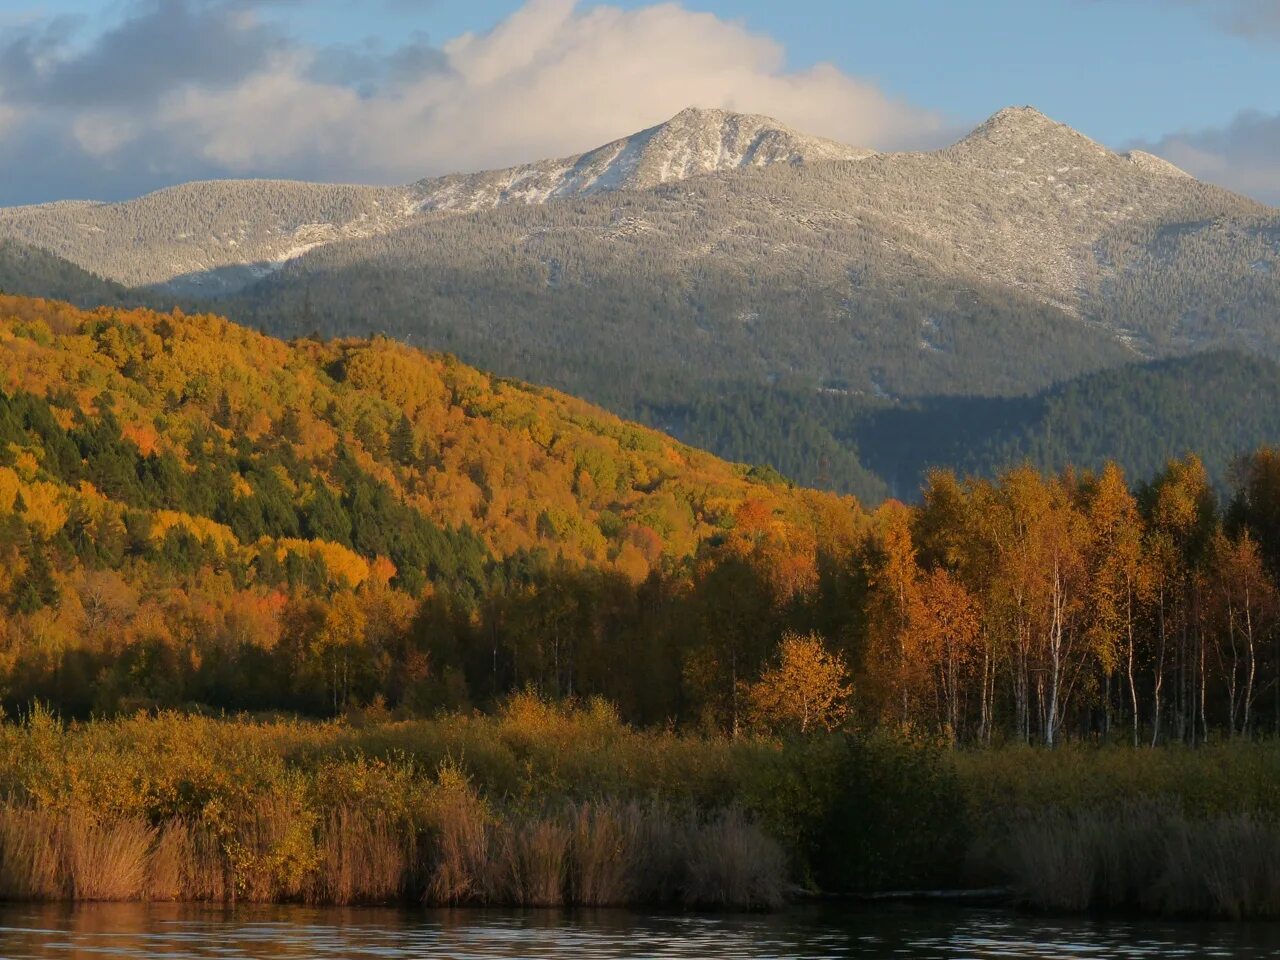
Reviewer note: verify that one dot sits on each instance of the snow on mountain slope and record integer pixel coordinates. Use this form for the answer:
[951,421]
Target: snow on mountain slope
[849,254]
[207,237]
[694,142]
[1022,200]
[216,237]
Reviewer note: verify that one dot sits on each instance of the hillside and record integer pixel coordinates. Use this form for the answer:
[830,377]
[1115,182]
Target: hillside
[228,426]
[751,277]
[33,272]
[181,498]
[1220,405]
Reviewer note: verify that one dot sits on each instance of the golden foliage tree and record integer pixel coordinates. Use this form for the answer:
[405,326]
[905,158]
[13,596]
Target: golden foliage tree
[807,689]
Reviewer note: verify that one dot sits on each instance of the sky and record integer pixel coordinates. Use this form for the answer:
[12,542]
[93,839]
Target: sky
[109,99]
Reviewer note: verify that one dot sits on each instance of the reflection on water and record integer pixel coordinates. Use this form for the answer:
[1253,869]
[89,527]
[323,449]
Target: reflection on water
[135,931]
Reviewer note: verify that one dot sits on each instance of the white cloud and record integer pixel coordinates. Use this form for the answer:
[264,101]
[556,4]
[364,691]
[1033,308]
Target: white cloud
[551,79]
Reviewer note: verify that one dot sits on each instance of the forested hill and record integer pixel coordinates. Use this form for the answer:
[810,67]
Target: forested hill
[1219,405]
[350,450]
[34,272]
[194,513]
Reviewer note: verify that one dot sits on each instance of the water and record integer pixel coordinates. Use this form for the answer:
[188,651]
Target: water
[136,931]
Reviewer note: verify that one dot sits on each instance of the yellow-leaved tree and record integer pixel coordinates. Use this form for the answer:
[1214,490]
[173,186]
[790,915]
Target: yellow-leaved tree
[806,689]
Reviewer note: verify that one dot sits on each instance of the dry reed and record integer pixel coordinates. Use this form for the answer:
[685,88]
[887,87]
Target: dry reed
[362,859]
[1147,857]
[104,861]
[592,854]
[30,865]
[532,861]
[605,853]
[732,862]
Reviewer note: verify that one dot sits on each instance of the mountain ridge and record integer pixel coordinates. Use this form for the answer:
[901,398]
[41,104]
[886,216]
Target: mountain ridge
[695,141]
[213,237]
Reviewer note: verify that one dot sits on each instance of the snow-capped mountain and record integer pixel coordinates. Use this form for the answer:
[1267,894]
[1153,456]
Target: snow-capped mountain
[694,142]
[212,238]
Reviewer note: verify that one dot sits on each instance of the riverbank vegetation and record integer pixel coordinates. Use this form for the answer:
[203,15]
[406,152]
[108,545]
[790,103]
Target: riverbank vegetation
[544,805]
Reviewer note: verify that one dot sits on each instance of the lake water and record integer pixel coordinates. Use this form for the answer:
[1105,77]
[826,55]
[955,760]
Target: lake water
[135,931]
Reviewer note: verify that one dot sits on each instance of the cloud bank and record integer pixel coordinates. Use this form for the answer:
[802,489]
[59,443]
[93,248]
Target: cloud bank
[1243,155]
[184,89]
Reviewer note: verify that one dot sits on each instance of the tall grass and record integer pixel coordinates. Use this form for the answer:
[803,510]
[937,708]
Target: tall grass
[362,858]
[30,861]
[533,862]
[104,861]
[733,863]
[1149,858]
[587,855]
[546,804]
[606,858]
[50,856]
[609,853]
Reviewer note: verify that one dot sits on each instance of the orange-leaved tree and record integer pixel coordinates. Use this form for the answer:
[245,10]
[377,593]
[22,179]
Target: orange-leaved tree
[806,689]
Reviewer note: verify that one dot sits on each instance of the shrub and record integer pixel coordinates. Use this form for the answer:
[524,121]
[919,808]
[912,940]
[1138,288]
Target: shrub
[898,819]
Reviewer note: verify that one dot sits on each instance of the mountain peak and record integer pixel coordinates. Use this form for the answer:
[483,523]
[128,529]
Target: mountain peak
[1021,136]
[701,115]
[1014,125]
[696,141]
[708,139]
[1018,117]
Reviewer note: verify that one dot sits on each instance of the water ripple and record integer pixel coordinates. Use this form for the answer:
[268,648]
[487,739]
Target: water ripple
[183,932]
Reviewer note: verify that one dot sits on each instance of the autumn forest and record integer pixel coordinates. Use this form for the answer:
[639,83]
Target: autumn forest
[324,536]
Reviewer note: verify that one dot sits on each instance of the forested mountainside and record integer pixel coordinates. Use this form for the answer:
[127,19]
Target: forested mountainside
[618,297]
[34,272]
[1217,404]
[514,466]
[177,493]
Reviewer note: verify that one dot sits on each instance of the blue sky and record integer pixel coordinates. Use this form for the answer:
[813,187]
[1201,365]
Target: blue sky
[371,91]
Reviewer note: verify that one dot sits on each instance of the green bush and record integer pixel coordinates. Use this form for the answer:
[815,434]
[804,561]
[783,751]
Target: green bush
[898,821]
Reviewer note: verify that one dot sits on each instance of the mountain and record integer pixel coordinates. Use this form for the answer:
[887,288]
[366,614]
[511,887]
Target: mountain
[1021,256]
[215,237]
